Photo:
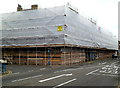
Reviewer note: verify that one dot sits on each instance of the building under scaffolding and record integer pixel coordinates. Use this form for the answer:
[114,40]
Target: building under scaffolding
[53,36]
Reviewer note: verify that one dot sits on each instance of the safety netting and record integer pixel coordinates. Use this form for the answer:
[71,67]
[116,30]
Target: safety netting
[56,25]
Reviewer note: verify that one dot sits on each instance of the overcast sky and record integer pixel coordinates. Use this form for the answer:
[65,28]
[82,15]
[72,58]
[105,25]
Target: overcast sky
[105,12]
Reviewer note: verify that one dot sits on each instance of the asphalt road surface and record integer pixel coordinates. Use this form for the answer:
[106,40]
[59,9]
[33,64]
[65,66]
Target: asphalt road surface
[99,73]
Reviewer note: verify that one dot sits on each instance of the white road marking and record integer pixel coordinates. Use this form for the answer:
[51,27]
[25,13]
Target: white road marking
[65,83]
[75,69]
[109,71]
[103,71]
[16,73]
[113,63]
[116,72]
[112,68]
[92,72]
[42,68]
[30,71]
[103,74]
[104,68]
[26,78]
[67,70]
[107,66]
[55,77]
[102,63]
[92,67]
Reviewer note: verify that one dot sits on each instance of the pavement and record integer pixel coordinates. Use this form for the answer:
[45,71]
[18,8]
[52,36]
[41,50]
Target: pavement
[101,73]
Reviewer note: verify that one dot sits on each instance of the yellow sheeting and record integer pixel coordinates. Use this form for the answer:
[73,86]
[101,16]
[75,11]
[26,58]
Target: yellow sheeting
[60,28]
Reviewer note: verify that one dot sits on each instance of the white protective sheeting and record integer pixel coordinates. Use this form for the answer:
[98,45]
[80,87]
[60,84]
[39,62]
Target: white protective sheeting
[39,27]
[33,27]
[83,32]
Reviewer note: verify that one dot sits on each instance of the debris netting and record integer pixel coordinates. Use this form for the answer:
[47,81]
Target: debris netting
[56,25]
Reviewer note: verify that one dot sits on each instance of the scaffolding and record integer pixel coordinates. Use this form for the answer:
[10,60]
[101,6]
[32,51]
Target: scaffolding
[53,36]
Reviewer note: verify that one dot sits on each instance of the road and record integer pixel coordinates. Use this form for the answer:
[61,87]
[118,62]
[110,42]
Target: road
[99,73]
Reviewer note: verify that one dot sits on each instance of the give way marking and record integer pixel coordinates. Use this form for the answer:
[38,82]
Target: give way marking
[55,77]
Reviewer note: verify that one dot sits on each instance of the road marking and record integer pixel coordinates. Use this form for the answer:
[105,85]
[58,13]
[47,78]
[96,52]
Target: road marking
[112,68]
[113,63]
[55,77]
[76,69]
[109,71]
[30,71]
[103,71]
[92,72]
[116,72]
[26,78]
[104,68]
[67,70]
[102,63]
[107,66]
[16,73]
[42,68]
[103,74]
[91,67]
[65,83]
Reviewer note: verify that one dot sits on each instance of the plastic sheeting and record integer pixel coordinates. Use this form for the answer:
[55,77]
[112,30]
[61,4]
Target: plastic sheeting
[83,32]
[39,27]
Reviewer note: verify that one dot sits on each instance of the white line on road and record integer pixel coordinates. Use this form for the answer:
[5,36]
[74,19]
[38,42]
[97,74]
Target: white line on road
[75,69]
[102,63]
[30,71]
[65,83]
[113,63]
[26,78]
[16,73]
[55,77]
[116,72]
[104,74]
[92,72]
[91,67]
[103,71]
[42,68]
[67,70]
[104,68]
